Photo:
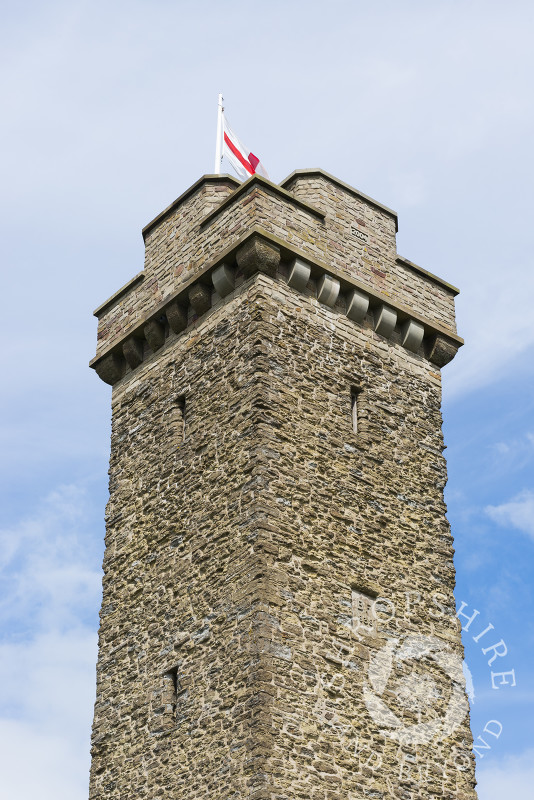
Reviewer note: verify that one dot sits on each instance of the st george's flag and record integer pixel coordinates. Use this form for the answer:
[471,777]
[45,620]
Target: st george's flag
[242,160]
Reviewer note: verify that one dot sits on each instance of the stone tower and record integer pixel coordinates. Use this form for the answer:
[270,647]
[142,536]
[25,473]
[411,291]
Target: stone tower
[278,619]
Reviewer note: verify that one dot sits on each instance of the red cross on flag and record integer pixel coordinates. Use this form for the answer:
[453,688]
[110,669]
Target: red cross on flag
[227,144]
[242,160]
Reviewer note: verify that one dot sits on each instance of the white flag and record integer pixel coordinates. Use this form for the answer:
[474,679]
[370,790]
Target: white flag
[244,162]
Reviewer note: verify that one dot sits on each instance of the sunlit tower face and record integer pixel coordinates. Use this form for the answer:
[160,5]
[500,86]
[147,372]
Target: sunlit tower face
[276,495]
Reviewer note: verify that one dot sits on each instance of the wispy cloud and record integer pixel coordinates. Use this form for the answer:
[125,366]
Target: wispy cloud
[48,572]
[512,776]
[50,587]
[520,449]
[516,513]
[37,764]
[492,351]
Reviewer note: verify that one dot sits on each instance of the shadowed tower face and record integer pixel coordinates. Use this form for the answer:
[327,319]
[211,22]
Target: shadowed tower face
[278,618]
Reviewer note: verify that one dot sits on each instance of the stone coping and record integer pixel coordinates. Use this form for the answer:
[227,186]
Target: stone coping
[103,307]
[247,186]
[224,178]
[317,171]
[416,268]
[199,287]
[273,188]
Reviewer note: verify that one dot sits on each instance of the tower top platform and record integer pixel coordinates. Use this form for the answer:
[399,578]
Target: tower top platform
[334,231]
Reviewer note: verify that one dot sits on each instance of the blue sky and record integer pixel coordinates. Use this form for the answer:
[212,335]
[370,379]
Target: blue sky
[109,113]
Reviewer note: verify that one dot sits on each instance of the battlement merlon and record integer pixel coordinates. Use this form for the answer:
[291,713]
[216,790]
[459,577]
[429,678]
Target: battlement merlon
[327,240]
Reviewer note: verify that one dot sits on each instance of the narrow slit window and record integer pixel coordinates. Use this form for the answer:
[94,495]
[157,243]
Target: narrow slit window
[170,691]
[354,404]
[177,419]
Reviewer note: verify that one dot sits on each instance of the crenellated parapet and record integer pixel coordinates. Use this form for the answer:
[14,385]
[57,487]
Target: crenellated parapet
[326,241]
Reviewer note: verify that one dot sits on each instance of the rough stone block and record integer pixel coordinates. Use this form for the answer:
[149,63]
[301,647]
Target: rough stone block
[328,290]
[385,320]
[200,298]
[357,305]
[412,335]
[299,275]
[133,351]
[111,368]
[176,315]
[223,280]
[441,351]
[154,334]
[258,255]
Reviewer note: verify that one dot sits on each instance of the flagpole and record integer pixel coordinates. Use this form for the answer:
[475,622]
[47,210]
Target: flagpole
[218,143]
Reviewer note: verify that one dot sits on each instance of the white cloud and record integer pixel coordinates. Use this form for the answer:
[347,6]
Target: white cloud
[49,570]
[491,350]
[48,681]
[50,584]
[36,764]
[517,513]
[522,446]
[511,455]
[46,701]
[512,776]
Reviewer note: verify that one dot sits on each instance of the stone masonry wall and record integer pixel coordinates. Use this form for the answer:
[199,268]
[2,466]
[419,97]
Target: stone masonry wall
[278,619]
[232,558]
[370,248]
[179,245]
[182,573]
[171,253]
[352,512]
